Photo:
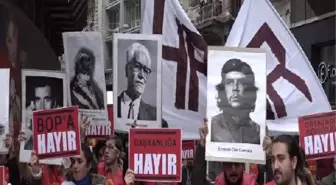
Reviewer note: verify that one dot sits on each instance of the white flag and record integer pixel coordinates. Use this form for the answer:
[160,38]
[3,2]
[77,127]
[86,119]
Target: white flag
[293,88]
[184,61]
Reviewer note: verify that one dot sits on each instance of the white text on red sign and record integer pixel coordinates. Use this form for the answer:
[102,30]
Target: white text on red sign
[317,144]
[188,154]
[153,164]
[51,142]
[98,130]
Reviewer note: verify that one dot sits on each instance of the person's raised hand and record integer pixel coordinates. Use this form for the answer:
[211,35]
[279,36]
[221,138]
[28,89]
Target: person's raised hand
[66,162]
[31,106]
[203,131]
[129,177]
[8,140]
[34,163]
[21,137]
[267,144]
[84,123]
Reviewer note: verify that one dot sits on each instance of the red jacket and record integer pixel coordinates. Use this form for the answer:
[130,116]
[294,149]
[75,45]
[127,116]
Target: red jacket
[248,179]
[116,178]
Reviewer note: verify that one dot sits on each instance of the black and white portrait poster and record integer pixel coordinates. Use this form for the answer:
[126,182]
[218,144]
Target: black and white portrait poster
[41,90]
[4,108]
[236,105]
[84,58]
[137,81]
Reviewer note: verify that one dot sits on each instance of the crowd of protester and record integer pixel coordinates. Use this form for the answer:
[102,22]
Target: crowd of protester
[107,164]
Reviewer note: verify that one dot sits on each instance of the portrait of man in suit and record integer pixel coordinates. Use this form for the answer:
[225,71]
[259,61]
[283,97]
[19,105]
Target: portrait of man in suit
[237,95]
[137,71]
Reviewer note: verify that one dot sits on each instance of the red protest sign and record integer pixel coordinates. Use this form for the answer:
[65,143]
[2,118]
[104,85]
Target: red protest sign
[155,154]
[56,132]
[102,130]
[188,149]
[318,135]
[110,117]
[2,176]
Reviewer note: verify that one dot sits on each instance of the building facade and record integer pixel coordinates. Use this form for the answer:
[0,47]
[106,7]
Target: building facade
[123,16]
[313,25]
[116,16]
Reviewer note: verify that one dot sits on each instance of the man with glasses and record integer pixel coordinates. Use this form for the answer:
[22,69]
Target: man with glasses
[138,70]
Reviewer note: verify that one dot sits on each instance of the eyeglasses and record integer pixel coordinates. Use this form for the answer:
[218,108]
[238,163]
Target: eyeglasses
[111,147]
[137,67]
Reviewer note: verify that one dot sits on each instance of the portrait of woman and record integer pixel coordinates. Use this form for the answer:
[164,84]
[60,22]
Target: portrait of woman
[85,92]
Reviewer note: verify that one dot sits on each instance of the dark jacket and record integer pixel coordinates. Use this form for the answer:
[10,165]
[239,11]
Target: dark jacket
[224,128]
[186,174]
[198,175]
[329,180]
[146,112]
[265,172]
[14,173]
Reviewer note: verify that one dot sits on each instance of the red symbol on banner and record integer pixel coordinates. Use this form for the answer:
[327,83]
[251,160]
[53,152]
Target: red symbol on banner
[195,46]
[265,34]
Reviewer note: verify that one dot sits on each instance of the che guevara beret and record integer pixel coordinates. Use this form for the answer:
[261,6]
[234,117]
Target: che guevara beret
[237,65]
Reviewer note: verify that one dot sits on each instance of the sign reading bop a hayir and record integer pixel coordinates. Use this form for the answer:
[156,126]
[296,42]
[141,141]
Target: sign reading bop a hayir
[56,132]
[155,154]
[318,135]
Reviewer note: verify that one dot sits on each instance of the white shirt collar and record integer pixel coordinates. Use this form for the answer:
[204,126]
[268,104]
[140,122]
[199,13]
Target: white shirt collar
[126,100]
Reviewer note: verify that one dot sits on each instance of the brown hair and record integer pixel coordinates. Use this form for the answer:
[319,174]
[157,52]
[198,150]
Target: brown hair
[87,153]
[118,141]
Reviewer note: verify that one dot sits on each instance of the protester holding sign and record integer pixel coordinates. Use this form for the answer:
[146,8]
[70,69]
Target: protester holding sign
[232,174]
[10,163]
[48,174]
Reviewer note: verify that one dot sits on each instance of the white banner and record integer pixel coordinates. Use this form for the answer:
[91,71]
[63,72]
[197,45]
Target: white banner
[293,88]
[184,62]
